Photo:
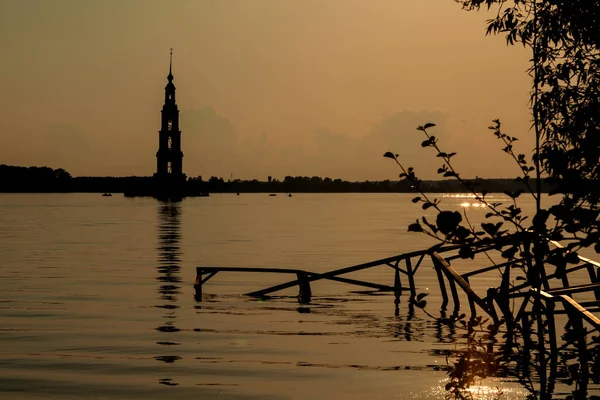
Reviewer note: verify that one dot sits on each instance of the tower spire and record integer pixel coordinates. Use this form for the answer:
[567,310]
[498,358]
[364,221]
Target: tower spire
[170,77]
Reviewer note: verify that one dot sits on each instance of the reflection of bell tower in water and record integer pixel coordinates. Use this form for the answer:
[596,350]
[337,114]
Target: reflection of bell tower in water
[169,157]
[168,260]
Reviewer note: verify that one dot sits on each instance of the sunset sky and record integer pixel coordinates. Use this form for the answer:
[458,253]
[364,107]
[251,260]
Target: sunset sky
[265,87]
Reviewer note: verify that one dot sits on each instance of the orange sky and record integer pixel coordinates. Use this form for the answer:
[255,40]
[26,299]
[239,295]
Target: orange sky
[265,87]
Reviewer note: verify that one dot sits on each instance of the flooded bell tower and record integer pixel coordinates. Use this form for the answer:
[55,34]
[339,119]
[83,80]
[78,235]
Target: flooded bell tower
[169,157]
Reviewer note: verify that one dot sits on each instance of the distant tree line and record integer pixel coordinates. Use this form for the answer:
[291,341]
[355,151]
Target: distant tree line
[316,184]
[34,179]
[14,179]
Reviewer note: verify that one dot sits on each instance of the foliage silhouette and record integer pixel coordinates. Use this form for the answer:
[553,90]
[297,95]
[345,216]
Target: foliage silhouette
[563,37]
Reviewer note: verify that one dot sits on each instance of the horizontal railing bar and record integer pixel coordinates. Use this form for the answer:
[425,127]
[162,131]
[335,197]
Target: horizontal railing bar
[336,272]
[201,270]
[487,246]
[360,283]
[487,269]
[588,261]
[548,277]
[582,258]
[573,289]
[564,311]
[570,304]
[591,303]
[314,277]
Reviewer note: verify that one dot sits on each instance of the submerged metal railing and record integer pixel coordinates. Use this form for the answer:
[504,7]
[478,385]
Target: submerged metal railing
[500,303]
[446,276]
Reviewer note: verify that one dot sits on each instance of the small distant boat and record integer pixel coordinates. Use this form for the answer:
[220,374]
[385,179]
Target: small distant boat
[290,195]
[238,193]
[106,194]
[272,194]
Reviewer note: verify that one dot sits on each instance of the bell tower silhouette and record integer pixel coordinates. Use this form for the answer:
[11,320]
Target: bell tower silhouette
[169,157]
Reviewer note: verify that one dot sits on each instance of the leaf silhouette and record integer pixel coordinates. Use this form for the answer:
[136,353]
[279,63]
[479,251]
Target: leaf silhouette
[447,221]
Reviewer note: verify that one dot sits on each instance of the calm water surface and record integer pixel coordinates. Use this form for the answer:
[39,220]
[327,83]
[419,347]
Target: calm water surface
[96,300]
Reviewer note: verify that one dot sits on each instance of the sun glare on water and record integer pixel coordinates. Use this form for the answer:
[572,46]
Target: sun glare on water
[494,390]
[474,205]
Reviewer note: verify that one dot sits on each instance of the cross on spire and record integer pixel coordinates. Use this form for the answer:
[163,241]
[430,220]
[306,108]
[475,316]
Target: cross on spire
[170,77]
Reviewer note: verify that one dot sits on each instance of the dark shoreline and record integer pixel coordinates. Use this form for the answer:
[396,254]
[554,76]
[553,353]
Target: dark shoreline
[134,188]
[15,179]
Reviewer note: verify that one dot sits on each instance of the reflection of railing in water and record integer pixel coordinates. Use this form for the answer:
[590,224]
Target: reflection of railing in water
[495,302]
[521,323]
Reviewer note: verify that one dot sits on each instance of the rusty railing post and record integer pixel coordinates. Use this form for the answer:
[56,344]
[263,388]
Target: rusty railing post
[471,302]
[198,285]
[411,278]
[304,291]
[440,276]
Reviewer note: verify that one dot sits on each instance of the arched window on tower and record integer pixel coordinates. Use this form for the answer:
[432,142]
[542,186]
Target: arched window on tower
[170,143]
[169,167]
[169,125]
